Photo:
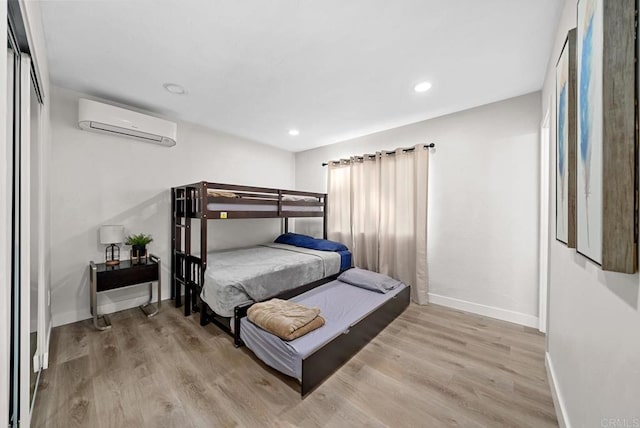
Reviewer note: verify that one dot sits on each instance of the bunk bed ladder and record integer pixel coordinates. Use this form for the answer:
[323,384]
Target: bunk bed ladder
[203,197]
[187,270]
[174,219]
[179,230]
[189,204]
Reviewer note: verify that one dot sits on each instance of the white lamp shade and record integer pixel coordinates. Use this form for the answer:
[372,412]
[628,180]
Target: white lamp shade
[110,234]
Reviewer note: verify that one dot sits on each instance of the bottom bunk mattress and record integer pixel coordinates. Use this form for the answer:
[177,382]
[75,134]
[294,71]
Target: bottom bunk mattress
[238,276]
[341,305]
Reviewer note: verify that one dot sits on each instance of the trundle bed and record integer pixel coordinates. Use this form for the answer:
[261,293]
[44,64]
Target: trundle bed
[354,316]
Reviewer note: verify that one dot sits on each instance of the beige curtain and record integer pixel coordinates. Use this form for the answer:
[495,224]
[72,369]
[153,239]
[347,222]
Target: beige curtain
[365,211]
[339,203]
[403,218]
[380,213]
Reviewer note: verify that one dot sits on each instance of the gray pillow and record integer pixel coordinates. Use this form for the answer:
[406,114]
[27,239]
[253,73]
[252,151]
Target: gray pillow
[369,280]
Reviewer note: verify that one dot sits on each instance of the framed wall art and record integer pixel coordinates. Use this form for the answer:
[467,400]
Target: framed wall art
[566,143]
[606,158]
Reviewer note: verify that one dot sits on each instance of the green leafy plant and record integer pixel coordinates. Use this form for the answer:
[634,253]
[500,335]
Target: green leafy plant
[140,239]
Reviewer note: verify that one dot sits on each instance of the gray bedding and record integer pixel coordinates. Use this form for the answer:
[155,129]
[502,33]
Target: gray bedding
[256,273]
[341,305]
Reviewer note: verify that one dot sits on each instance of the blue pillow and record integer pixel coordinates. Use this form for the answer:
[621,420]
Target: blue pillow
[326,245]
[293,239]
[310,242]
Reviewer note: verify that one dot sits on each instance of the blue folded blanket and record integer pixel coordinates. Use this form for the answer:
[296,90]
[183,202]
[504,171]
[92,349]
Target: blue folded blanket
[310,242]
[345,259]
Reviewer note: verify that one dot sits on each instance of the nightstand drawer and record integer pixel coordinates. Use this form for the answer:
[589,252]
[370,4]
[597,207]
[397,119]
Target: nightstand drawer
[116,278]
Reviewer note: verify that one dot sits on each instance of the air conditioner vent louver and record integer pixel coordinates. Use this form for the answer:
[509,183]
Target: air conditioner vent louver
[104,118]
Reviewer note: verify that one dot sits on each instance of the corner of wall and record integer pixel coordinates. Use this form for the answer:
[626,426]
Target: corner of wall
[558,400]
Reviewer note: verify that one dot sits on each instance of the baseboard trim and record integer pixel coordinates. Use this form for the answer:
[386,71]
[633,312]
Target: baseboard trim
[488,311]
[45,355]
[558,402]
[107,308]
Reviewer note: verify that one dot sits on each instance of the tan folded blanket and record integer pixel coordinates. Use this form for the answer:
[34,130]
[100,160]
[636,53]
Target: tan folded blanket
[285,319]
[221,194]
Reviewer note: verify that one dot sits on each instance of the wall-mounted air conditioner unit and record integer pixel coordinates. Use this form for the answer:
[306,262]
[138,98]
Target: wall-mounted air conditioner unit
[99,117]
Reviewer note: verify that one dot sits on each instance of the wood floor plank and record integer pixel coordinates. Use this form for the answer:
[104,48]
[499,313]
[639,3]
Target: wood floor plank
[432,366]
[75,407]
[423,407]
[326,407]
[117,366]
[447,353]
[69,343]
[45,398]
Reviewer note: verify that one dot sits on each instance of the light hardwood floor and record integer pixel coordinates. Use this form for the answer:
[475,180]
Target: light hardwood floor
[431,367]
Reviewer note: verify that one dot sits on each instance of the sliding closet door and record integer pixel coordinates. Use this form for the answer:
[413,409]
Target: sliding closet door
[19,225]
[25,237]
[36,291]
[22,250]
[13,136]
[6,197]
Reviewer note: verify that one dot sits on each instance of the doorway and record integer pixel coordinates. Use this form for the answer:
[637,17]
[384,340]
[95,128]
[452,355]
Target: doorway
[545,166]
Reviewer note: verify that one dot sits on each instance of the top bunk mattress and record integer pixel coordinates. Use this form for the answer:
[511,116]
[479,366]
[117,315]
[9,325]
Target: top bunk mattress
[215,206]
[242,275]
[239,203]
[341,305]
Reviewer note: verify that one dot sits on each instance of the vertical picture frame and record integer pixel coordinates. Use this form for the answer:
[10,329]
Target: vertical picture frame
[606,159]
[566,135]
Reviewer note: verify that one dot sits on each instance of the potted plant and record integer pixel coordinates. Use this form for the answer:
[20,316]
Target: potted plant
[138,245]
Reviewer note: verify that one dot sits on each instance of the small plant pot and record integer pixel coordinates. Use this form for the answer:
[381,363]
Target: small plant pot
[138,252]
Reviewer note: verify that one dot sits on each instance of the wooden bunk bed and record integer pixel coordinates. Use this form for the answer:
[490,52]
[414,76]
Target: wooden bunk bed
[204,201]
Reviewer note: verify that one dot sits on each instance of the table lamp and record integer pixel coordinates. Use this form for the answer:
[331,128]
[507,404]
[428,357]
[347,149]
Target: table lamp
[111,235]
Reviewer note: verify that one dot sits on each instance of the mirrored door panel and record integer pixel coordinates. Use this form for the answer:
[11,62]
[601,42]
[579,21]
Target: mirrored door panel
[13,60]
[36,239]
[24,234]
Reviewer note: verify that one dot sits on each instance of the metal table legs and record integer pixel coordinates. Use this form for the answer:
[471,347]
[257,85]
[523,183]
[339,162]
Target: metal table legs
[146,308]
[94,300]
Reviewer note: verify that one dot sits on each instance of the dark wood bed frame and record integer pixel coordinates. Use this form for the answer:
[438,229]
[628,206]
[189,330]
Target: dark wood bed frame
[190,202]
[187,270]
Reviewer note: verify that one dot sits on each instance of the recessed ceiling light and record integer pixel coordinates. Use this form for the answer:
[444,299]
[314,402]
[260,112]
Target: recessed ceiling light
[174,88]
[422,87]
[294,132]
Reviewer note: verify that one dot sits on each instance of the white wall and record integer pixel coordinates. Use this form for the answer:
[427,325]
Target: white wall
[593,333]
[483,196]
[101,179]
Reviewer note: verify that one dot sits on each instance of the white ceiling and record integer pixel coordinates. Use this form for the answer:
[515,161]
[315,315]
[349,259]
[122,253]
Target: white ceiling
[333,69]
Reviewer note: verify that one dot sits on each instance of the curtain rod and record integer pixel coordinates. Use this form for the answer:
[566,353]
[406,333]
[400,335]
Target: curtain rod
[410,149]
